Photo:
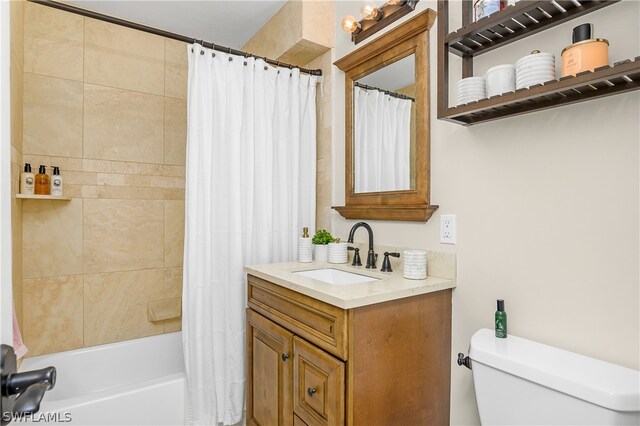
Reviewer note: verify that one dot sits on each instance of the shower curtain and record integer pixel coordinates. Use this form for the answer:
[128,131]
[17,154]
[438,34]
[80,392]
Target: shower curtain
[250,189]
[382,141]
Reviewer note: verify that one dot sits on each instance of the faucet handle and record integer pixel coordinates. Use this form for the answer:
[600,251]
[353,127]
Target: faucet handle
[356,256]
[386,264]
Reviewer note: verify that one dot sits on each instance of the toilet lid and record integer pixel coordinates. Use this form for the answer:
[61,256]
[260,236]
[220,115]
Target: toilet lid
[599,382]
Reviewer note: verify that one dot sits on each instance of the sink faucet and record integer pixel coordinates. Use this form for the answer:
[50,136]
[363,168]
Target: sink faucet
[371,255]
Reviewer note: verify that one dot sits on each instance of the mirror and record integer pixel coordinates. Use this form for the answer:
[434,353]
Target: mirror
[387,125]
[384,138]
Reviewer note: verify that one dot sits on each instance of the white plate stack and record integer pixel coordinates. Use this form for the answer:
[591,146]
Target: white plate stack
[501,79]
[415,264]
[471,89]
[338,253]
[305,250]
[537,68]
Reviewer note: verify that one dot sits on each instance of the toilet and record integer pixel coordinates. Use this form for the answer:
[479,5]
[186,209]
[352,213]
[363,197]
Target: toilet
[518,382]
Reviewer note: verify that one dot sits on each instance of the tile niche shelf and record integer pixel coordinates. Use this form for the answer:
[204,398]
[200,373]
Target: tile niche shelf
[42,197]
[510,24]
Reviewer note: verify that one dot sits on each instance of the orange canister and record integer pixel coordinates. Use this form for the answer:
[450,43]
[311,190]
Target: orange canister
[585,55]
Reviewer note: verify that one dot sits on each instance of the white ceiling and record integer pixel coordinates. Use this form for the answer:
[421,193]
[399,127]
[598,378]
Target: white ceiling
[227,23]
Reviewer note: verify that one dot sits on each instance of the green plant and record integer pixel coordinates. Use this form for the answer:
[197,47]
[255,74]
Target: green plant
[322,237]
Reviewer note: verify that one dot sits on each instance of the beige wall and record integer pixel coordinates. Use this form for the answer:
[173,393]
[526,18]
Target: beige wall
[547,207]
[16,76]
[108,106]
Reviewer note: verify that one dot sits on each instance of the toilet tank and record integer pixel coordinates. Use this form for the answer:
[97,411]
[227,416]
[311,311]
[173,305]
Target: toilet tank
[521,382]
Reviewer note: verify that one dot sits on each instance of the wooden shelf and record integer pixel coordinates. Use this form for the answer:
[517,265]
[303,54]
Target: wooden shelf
[604,81]
[42,197]
[417,213]
[514,22]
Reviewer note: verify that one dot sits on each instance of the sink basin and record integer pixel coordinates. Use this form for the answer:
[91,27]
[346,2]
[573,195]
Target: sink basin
[336,276]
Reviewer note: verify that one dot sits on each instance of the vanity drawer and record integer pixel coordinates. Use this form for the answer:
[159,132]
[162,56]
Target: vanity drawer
[320,323]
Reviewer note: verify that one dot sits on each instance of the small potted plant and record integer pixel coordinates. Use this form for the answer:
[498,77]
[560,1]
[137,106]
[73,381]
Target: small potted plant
[320,244]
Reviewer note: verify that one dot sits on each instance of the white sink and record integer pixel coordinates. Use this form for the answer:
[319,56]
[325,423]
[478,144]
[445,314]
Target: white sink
[336,276]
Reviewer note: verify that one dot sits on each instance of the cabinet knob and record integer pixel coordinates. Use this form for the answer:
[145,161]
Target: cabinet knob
[311,391]
[285,357]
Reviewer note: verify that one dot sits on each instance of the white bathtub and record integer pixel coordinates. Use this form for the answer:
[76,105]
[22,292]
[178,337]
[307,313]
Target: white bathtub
[136,382]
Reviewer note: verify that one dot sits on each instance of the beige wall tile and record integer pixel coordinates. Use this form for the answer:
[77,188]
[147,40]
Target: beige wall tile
[318,22]
[123,125]
[125,58]
[17,101]
[16,255]
[122,235]
[173,325]
[115,305]
[53,314]
[51,238]
[172,282]
[175,131]
[17,29]
[52,116]
[53,42]
[173,233]
[175,69]
[281,32]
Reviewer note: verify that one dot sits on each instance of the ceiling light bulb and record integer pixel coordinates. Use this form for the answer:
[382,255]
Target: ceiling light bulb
[350,24]
[369,11]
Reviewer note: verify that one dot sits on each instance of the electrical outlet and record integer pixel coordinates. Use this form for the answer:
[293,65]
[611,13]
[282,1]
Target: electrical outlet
[448,229]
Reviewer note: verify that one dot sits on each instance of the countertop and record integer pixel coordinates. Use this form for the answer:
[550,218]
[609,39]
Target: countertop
[390,286]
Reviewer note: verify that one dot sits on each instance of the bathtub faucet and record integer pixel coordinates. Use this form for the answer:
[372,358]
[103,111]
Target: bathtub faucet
[22,392]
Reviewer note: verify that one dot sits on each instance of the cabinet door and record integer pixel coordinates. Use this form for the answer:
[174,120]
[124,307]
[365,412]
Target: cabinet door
[269,372]
[318,385]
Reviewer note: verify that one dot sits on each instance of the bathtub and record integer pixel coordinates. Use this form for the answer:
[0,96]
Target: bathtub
[136,382]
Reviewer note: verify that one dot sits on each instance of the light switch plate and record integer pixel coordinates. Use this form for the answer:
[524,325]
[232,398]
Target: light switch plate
[448,229]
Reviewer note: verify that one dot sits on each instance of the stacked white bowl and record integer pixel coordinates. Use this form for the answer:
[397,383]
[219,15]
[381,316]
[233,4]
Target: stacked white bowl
[305,250]
[537,68]
[415,264]
[338,253]
[471,89]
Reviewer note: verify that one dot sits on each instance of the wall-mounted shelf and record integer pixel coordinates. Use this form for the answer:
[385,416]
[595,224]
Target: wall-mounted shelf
[602,82]
[515,22]
[42,197]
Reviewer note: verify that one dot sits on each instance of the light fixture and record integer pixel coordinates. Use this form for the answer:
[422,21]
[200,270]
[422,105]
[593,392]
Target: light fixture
[370,11]
[350,24]
[376,18]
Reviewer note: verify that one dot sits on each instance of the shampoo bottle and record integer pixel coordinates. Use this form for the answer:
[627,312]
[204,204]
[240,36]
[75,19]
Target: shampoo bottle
[501,320]
[43,185]
[27,180]
[56,182]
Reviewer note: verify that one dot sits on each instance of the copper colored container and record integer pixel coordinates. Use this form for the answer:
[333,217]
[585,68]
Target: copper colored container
[585,55]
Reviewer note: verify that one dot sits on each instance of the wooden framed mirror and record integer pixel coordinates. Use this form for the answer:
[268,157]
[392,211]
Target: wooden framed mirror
[387,125]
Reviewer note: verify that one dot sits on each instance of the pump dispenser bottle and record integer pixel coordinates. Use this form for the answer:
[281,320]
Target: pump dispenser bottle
[501,320]
[43,185]
[27,180]
[56,182]
[305,252]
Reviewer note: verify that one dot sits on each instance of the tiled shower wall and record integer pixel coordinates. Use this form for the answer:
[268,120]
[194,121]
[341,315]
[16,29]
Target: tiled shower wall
[108,106]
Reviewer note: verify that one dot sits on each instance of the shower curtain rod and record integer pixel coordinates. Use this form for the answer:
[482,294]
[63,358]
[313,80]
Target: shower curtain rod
[386,92]
[162,33]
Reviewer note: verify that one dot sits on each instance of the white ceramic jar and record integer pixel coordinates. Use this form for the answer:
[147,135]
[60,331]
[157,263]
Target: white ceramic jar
[501,79]
[415,264]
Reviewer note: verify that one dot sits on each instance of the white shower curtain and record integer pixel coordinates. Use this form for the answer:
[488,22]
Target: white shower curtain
[250,189]
[382,141]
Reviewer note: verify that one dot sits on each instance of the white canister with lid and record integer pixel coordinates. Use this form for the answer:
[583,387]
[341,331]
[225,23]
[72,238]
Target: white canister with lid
[338,252]
[501,79]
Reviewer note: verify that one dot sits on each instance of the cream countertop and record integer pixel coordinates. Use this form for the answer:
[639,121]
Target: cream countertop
[390,286]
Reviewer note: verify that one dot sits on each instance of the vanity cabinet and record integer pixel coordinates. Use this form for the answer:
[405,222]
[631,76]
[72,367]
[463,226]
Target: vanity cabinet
[313,363]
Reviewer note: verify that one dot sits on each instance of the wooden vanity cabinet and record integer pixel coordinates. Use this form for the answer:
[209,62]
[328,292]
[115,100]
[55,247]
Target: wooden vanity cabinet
[312,363]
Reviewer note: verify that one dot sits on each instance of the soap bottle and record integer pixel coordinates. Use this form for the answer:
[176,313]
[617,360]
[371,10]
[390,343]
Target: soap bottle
[305,250]
[501,320]
[27,180]
[56,182]
[43,185]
